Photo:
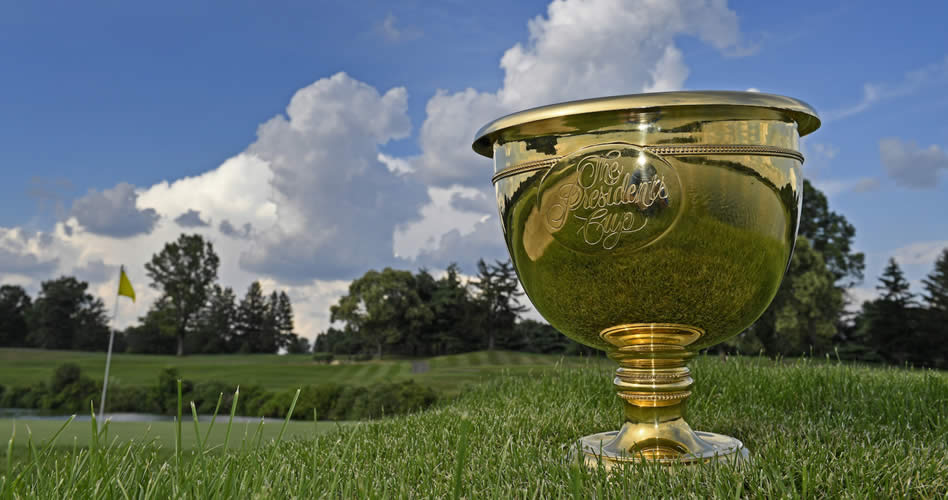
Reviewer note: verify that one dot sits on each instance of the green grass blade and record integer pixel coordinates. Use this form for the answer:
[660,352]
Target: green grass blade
[461,456]
[230,421]
[177,427]
[289,414]
[197,429]
[10,450]
[285,422]
[220,398]
[55,436]
[95,427]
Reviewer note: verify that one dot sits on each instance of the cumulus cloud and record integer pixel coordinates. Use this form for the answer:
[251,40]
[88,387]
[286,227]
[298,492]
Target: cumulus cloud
[337,203]
[26,255]
[578,49]
[454,208]
[96,271]
[465,249]
[191,218]
[25,264]
[910,165]
[114,212]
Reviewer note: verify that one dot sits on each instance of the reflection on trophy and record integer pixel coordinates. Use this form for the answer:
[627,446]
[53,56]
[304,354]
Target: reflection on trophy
[651,226]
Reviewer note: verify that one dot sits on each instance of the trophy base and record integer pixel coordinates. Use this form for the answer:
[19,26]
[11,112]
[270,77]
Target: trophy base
[606,448]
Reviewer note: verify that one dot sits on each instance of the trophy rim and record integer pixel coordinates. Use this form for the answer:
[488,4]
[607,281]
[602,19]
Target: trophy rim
[802,113]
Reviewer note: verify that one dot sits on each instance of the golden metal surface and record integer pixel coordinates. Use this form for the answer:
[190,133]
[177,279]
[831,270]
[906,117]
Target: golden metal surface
[651,227]
[551,117]
[694,149]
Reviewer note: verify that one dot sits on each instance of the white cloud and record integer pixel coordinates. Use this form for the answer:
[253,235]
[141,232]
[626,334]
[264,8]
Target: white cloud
[337,203]
[579,49]
[910,165]
[440,216]
[911,82]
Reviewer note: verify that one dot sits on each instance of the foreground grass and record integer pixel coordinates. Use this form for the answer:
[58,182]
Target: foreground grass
[162,434]
[448,374]
[814,429]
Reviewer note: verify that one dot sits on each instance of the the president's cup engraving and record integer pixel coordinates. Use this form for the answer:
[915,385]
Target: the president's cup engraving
[609,197]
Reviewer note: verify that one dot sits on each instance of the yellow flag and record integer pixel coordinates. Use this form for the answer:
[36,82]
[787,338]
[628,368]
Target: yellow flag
[125,286]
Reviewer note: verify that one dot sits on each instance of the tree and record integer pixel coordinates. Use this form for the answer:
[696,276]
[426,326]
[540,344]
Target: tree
[453,310]
[936,284]
[255,331]
[890,321]
[382,308]
[15,304]
[936,315]
[184,271]
[831,235]
[65,316]
[297,344]
[155,333]
[278,327]
[497,296]
[284,318]
[216,323]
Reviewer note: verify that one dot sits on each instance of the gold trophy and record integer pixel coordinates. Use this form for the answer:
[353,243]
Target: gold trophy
[651,226]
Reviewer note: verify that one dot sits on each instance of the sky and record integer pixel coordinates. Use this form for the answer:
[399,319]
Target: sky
[313,141]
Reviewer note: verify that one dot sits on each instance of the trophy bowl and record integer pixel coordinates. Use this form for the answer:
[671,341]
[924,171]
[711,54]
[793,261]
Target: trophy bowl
[651,226]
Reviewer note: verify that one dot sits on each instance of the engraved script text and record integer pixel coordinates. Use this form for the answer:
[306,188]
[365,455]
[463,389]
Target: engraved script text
[607,199]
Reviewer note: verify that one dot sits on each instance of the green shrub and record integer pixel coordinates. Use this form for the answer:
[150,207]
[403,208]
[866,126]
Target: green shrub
[323,357]
[65,374]
[252,399]
[30,396]
[348,398]
[74,397]
[205,394]
[392,399]
[320,398]
[166,391]
[132,398]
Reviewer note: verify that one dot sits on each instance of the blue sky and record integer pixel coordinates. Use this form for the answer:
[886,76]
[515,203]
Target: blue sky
[119,98]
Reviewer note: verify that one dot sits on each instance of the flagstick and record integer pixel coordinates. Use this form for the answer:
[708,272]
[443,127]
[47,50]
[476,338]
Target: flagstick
[108,357]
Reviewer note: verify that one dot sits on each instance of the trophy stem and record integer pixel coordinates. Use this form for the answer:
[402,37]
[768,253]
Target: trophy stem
[654,383]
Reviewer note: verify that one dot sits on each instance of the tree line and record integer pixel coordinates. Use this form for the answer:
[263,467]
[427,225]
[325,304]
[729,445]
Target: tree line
[396,312]
[193,314]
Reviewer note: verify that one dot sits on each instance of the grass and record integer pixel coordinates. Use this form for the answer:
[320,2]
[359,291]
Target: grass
[449,374]
[814,429]
[161,434]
